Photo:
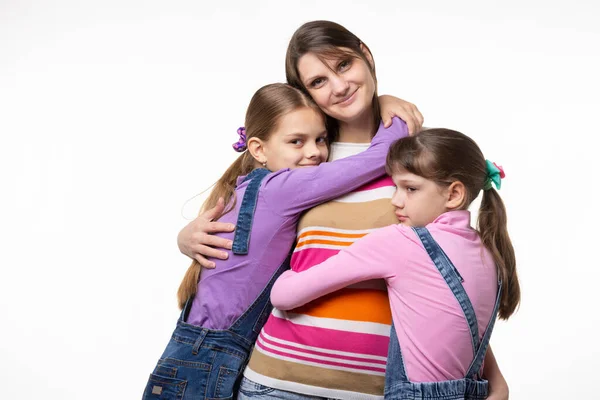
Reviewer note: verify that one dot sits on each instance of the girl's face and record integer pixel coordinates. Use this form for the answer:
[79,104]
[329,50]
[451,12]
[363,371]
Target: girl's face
[300,140]
[418,201]
[343,88]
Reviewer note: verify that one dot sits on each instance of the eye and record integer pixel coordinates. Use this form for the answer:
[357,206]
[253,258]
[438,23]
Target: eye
[344,65]
[297,142]
[322,140]
[411,189]
[317,83]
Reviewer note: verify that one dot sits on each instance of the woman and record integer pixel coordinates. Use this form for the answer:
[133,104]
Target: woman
[334,347]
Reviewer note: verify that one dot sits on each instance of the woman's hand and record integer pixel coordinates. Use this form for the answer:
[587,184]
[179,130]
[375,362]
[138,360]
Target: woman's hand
[394,107]
[498,393]
[195,239]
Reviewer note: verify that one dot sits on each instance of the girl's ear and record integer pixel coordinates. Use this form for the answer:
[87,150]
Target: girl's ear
[456,196]
[257,150]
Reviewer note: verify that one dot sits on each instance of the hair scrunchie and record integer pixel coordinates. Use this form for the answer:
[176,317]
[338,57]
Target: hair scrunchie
[240,145]
[495,174]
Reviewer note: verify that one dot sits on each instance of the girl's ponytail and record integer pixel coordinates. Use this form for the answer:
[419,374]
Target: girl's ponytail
[492,226]
[225,187]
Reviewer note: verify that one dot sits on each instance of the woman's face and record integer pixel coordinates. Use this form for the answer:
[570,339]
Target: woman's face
[343,88]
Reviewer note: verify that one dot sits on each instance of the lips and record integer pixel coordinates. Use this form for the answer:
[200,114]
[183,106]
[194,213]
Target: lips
[401,217]
[346,99]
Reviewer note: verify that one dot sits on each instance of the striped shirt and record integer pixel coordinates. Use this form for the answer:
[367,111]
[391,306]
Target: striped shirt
[335,346]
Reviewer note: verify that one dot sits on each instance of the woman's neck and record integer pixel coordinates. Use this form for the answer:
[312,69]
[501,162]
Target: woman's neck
[360,130]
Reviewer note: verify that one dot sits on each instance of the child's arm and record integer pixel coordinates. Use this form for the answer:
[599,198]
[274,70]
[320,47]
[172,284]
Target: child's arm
[291,192]
[391,106]
[380,254]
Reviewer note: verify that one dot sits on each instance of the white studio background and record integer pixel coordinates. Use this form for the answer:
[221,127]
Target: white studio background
[114,113]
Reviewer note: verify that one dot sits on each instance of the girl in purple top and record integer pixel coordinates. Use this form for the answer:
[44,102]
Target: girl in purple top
[265,189]
[444,302]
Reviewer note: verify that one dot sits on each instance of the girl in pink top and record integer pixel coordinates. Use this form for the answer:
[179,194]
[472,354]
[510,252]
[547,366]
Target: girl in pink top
[444,302]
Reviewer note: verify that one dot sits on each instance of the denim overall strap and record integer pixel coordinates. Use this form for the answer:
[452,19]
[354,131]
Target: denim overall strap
[186,309]
[252,320]
[475,366]
[246,215]
[453,279]
[395,370]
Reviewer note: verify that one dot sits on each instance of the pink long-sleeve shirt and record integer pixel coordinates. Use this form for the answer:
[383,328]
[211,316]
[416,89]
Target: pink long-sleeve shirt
[432,330]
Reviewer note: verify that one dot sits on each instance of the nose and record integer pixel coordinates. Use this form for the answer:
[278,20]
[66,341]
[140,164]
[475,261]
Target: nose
[398,200]
[339,85]
[311,150]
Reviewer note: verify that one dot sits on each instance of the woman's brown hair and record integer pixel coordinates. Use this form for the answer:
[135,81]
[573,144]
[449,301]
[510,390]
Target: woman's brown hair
[328,40]
[267,106]
[446,156]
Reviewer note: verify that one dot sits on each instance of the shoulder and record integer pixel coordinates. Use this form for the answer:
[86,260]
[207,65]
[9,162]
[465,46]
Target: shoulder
[394,235]
[274,178]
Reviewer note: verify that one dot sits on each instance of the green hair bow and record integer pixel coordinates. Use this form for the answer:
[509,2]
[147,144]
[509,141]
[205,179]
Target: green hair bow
[495,174]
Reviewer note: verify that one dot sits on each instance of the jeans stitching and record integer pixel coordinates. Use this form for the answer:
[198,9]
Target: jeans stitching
[188,364]
[221,378]
[257,388]
[169,372]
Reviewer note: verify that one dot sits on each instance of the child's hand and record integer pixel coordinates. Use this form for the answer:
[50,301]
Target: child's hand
[394,107]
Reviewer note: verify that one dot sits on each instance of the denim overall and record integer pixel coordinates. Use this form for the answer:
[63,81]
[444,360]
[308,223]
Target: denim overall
[472,387]
[201,363]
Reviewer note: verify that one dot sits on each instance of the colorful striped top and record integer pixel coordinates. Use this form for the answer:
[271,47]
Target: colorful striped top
[335,346]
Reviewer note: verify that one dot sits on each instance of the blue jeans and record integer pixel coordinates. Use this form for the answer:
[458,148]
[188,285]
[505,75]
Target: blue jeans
[252,390]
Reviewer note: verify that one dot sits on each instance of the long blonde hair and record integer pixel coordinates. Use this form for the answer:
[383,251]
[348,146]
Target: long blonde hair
[267,106]
[446,156]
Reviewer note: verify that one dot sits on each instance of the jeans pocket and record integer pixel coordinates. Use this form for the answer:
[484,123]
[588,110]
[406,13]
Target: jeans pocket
[226,382]
[250,388]
[164,388]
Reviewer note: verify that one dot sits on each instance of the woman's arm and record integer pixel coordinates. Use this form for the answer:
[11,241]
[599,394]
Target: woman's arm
[380,254]
[498,389]
[195,240]
[392,106]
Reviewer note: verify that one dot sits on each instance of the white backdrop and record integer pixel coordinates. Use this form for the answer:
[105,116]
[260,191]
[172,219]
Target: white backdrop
[114,113]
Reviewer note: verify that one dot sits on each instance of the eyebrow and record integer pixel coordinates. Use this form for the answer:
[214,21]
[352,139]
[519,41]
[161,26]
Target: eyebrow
[296,134]
[407,182]
[304,134]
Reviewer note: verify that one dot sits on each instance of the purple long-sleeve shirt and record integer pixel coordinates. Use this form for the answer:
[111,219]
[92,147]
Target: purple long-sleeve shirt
[225,292]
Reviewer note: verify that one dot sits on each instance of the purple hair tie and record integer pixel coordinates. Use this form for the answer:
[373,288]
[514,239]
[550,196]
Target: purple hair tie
[240,145]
